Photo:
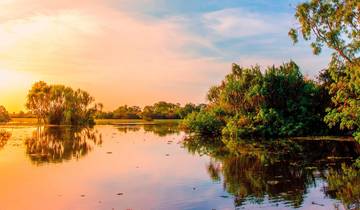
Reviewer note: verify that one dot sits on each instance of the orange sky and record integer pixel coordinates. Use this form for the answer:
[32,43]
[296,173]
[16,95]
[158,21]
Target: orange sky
[119,55]
[115,57]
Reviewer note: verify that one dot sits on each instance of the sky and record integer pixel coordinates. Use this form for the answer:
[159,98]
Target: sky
[140,52]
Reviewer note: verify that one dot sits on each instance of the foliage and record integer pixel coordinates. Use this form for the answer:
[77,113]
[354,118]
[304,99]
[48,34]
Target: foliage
[4,115]
[335,23]
[278,102]
[203,122]
[159,110]
[345,109]
[127,112]
[58,104]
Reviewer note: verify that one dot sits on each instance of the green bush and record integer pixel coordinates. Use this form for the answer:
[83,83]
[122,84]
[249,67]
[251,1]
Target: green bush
[203,122]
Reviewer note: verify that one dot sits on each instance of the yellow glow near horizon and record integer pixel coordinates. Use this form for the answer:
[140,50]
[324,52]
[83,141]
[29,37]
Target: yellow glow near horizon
[13,86]
[102,50]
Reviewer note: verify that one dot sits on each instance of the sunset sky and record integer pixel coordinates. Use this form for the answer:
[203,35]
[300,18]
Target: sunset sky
[138,52]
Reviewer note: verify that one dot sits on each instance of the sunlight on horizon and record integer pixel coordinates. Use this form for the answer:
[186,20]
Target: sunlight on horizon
[14,86]
[123,54]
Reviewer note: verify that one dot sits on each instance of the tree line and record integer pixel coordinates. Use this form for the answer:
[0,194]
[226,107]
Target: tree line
[159,110]
[61,105]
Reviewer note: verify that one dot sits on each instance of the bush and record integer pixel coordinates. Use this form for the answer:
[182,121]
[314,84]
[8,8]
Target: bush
[203,122]
[4,115]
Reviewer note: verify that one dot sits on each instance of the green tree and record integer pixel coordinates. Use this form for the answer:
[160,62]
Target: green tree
[58,104]
[127,112]
[161,110]
[279,102]
[336,24]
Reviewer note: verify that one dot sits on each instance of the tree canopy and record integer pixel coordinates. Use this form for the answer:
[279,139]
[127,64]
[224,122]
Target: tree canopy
[278,102]
[336,24]
[58,104]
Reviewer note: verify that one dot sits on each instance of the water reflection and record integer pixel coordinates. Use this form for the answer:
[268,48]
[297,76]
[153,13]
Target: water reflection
[279,171]
[56,144]
[163,129]
[344,185]
[4,137]
[160,129]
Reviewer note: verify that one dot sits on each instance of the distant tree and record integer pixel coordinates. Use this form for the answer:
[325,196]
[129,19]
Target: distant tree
[4,115]
[187,109]
[127,112]
[161,110]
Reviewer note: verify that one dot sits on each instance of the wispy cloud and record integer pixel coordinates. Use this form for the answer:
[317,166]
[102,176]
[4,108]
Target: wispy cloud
[239,23]
[133,56]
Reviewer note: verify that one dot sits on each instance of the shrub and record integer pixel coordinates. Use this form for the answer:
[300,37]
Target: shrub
[203,122]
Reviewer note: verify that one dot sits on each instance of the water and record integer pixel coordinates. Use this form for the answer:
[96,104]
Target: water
[159,167]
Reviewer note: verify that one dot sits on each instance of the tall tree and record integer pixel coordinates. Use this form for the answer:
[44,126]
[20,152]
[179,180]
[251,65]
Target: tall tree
[38,100]
[58,104]
[336,24]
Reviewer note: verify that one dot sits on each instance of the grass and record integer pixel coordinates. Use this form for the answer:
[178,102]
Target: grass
[33,121]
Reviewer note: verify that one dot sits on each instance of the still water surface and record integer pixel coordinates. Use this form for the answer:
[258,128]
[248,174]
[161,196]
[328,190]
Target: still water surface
[159,167]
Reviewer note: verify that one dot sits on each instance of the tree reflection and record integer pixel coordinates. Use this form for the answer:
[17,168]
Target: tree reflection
[4,137]
[280,170]
[128,128]
[162,129]
[56,144]
[159,129]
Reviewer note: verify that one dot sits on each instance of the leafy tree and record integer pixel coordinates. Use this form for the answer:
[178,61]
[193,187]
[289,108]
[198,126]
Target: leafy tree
[203,122]
[189,108]
[127,112]
[58,104]
[291,103]
[345,108]
[38,100]
[279,102]
[336,24]
[4,115]
[161,110]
